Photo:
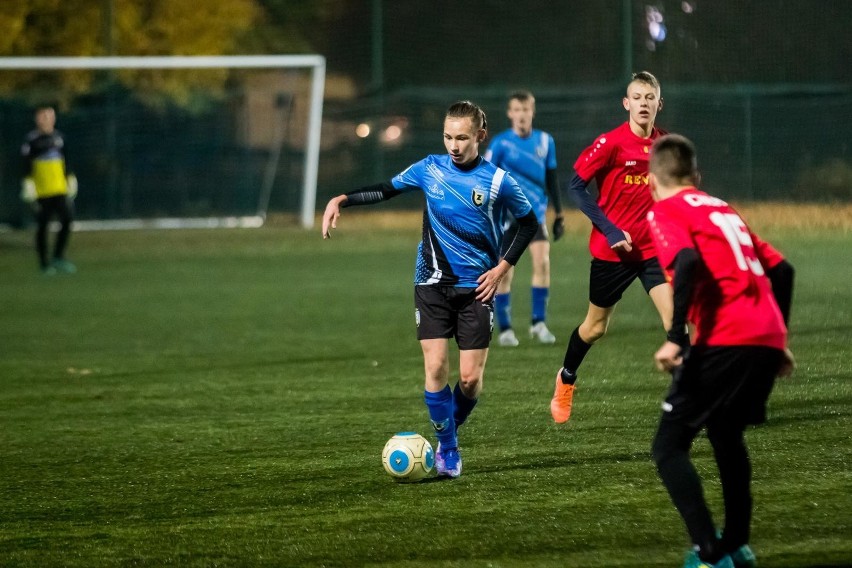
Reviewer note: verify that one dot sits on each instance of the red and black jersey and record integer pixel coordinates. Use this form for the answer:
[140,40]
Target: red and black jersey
[618,162]
[732,301]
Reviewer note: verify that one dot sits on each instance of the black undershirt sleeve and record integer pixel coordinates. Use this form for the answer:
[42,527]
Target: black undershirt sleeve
[579,192]
[371,194]
[782,275]
[685,265]
[551,181]
[527,227]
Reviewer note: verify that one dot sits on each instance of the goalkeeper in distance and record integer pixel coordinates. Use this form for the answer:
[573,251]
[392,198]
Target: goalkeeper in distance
[49,189]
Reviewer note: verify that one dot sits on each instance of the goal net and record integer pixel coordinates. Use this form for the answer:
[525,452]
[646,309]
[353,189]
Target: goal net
[217,141]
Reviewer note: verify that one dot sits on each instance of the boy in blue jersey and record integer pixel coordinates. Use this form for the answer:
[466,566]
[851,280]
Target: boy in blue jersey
[459,263]
[530,156]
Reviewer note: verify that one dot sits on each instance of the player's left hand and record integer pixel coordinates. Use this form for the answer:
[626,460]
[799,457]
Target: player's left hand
[788,365]
[558,228]
[625,245]
[489,281]
[668,356]
[28,190]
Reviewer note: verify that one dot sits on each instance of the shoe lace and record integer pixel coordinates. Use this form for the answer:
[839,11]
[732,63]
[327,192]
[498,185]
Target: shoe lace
[565,393]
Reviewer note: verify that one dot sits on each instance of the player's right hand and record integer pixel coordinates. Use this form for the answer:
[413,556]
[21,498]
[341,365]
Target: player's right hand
[28,190]
[558,228]
[332,213]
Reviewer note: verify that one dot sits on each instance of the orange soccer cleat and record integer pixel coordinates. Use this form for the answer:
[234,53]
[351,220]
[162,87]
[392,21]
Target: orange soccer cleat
[563,398]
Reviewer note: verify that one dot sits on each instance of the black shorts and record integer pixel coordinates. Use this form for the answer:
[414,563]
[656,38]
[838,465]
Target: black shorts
[447,311]
[609,279]
[54,206]
[729,384]
[511,228]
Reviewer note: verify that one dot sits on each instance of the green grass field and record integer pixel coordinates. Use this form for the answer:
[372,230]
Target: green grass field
[221,398]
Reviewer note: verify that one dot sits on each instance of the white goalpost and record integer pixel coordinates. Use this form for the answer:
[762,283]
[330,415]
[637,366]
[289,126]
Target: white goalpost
[315,64]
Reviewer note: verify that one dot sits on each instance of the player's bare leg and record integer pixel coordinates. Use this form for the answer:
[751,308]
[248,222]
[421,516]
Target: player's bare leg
[663,299]
[436,362]
[471,371]
[596,323]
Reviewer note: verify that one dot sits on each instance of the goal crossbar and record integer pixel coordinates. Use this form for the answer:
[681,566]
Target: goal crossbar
[315,62]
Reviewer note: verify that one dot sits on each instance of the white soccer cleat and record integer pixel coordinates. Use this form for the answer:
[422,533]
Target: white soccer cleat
[540,332]
[507,338]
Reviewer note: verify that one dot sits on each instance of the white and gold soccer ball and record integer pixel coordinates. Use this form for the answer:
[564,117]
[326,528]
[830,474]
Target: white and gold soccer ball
[408,457]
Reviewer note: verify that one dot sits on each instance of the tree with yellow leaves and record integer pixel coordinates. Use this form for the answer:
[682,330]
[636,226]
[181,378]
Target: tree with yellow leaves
[122,27]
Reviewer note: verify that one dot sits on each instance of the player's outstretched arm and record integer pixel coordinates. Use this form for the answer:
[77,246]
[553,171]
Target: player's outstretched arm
[364,196]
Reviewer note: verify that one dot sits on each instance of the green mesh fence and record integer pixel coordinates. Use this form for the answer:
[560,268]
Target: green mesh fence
[764,90]
[135,160]
[754,143]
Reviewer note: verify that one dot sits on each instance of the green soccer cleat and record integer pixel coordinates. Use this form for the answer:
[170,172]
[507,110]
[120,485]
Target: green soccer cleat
[62,265]
[743,557]
[693,561]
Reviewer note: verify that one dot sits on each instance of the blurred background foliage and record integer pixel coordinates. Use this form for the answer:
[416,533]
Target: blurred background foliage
[762,88]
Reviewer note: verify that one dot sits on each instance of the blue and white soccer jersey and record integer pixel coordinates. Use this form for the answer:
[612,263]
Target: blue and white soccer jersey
[463,221]
[527,159]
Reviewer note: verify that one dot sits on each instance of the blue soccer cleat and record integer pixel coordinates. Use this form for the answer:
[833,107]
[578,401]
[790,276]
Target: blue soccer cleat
[448,462]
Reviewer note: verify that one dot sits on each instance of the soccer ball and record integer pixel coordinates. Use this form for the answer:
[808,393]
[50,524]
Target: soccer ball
[408,457]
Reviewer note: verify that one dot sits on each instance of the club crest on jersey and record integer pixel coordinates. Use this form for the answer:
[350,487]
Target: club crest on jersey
[477,196]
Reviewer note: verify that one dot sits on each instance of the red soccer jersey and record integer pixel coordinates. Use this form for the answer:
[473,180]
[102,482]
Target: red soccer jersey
[618,161]
[732,301]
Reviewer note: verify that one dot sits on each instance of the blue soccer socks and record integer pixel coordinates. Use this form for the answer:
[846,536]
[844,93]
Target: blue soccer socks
[503,310]
[440,405]
[539,303]
[463,405]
